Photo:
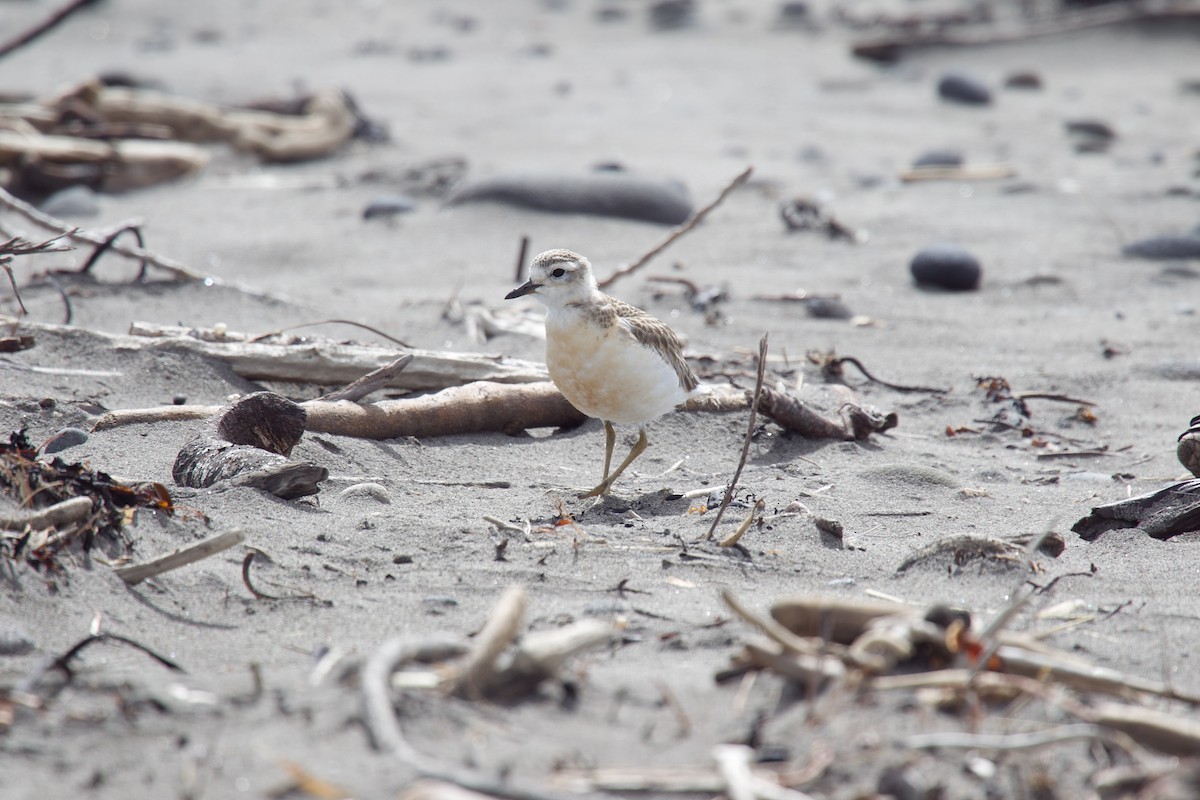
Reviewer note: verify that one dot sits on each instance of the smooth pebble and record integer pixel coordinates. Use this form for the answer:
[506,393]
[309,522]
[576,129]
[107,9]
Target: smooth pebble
[66,438]
[947,266]
[74,201]
[388,206]
[1166,246]
[939,158]
[373,490]
[605,194]
[960,87]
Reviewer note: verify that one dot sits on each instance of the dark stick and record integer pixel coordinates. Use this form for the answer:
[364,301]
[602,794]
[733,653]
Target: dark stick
[375,331]
[246,562]
[898,387]
[758,386]
[63,662]
[521,253]
[107,244]
[375,379]
[43,27]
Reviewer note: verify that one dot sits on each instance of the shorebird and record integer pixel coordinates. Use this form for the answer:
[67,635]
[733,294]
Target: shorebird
[612,361]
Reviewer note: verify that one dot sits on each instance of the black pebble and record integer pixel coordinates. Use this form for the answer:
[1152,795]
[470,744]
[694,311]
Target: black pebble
[606,194]
[670,14]
[67,437]
[827,308]
[939,158]
[963,88]
[946,266]
[388,205]
[1167,246]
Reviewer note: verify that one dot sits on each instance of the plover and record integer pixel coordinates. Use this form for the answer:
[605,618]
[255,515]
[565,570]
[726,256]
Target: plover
[610,360]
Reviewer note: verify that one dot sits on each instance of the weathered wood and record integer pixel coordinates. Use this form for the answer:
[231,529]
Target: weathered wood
[136,573]
[1162,513]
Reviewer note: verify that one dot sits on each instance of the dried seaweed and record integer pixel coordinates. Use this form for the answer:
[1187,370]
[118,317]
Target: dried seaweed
[34,484]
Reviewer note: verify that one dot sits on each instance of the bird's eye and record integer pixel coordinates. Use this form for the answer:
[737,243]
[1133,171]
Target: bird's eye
[558,273]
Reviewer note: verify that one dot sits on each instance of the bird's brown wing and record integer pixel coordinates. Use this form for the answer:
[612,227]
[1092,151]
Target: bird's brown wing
[654,333]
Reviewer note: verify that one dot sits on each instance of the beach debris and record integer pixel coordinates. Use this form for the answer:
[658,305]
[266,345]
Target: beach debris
[1023,79]
[1162,513]
[1165,247]
[1090,135]
[61,505]
[248,444]
[605,194]
[388,207]
[133,574]
[946,266]
[495,666]
[809,214]
[964,88]
[832,364]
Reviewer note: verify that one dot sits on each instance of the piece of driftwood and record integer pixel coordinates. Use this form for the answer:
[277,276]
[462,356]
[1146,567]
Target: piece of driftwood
[136,573]
[1188,449]
[376,379]
[248,443]
[111,166]
[502,627]
[67,512]
[793,415]
[325,362]
[1161,514]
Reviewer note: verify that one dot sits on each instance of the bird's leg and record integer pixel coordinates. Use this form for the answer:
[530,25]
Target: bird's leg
[610,441]
[638,448]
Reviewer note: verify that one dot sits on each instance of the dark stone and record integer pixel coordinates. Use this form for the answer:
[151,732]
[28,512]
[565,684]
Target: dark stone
[14,640]
[1167,246]
[960,87]
[66,438]
[946,266]
[388,206]
[939,158]
[827,308]
[605,194]
[671,14]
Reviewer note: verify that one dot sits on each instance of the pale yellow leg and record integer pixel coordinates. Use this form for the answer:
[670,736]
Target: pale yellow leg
[638,448]
[610,441]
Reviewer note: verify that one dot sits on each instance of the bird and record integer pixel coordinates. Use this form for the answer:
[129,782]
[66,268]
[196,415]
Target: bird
[611,360]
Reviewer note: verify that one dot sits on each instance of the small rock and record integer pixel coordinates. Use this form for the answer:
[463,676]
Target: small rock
[1090,135]
[1166,246]
[827,308]
[946,266]
[961,87]
[1024,79]
[179,400]
[388,206]
[606,194]
[74,201]
[67,437]
[939,158]
[373,490]
[438,603]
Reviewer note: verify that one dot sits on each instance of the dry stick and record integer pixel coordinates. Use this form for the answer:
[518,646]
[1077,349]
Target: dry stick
[63,663]
[136,573]
[501,628]
[758,385]
[45,26]
[1061,398]
[132,227]
[898,387]
[776,632]
[171,266]
[375,379]
[55,516]
[521,253]
[1016,741]
[365,327]
[691,222]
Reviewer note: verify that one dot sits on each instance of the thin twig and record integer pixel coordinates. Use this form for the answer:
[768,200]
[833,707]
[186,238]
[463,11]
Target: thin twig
[251,552]
[758,386]
[175,268]
[45,26]
[1015,741]
[690,223]
[837,362]
[521,253]
[63,663]
[1061,398]
[375,331]
[131,227]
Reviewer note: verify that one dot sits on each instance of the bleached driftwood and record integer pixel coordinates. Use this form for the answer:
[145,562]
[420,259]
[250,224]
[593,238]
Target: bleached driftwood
[120,165]
[136,573]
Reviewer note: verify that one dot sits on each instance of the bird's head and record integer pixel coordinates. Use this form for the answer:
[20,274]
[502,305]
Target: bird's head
[558,277]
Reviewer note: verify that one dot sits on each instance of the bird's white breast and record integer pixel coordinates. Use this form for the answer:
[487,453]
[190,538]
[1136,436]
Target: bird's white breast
[605,372]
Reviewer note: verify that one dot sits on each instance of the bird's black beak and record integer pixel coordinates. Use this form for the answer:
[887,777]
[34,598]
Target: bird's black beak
[528,287]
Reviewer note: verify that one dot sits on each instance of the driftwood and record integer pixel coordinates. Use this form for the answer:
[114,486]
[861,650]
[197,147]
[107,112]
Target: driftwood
[1161,514]
[792,414]
[136,573]
[68,512]
[115,166]
[248,444]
